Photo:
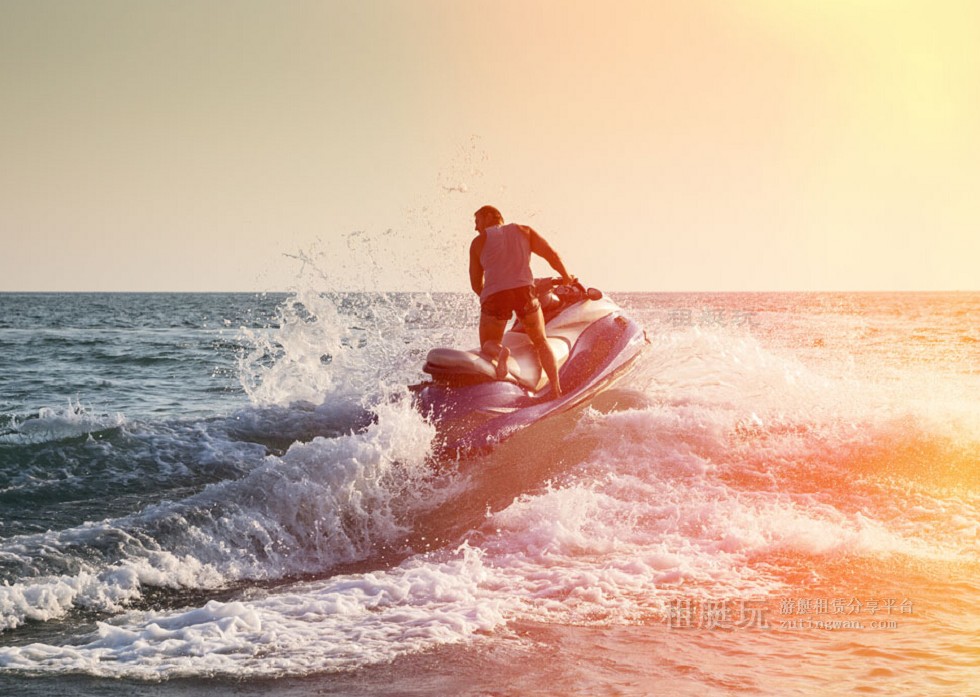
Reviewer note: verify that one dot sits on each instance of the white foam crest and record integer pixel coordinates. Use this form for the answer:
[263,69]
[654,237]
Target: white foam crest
[582,553]
[782,487]
[339,624]
[781,413]
[329,501]
[59,423]
[876,442]
[620,549]
[110,589]
[323,503]
[726,370]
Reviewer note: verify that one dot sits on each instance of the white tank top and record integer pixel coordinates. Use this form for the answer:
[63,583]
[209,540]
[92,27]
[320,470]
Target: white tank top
[506,259]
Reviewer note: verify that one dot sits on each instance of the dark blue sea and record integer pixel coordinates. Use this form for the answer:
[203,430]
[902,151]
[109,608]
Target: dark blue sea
[231,494]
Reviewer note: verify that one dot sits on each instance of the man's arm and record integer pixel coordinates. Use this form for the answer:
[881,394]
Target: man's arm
[476,268]
[540,246]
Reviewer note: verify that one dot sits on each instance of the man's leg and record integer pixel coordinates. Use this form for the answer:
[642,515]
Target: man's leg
[491,341]
[534,326]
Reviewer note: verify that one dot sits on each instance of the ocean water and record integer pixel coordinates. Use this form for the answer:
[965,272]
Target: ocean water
[231,494]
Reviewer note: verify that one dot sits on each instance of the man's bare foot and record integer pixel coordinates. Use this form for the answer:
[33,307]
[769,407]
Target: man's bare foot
[502,369]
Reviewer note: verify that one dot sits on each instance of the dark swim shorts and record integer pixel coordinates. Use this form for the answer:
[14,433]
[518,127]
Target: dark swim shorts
[502,305]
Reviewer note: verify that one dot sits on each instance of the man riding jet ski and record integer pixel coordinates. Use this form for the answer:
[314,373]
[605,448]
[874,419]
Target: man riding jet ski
[500,273]
[558,354]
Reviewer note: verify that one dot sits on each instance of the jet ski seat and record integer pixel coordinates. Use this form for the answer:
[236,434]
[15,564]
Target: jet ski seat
[523,365]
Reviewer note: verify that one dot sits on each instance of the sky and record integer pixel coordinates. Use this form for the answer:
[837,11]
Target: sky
[695,145]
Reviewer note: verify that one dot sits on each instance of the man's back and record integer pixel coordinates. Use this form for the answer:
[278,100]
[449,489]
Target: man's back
[506,259]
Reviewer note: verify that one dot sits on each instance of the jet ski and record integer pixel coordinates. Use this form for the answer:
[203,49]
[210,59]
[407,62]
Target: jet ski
[594,343]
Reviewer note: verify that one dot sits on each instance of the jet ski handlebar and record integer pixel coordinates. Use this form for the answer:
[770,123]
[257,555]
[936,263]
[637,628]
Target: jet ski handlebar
[564,288]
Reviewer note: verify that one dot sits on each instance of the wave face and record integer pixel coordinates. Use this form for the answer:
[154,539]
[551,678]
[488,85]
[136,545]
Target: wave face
[237,486]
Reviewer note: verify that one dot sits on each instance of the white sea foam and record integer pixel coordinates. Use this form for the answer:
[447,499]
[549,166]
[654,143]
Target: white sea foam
[322,503]
[111,589]
[59,423]
[314,627]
